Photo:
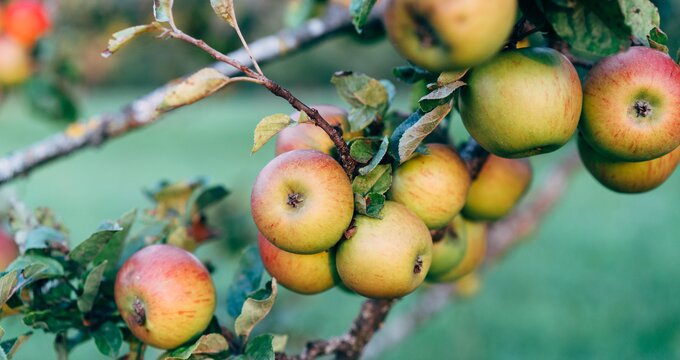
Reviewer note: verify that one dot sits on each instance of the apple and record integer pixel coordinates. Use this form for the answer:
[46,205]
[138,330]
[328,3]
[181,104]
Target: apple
[304,274]
[475,252]
[468,285]
[165,296]
[310,136]
[628,177]
[631,105]
[302,201]
[26,21]
[523,102]
[15,62]
[442,35]
[8,250]
[433,186]
[450,250]
[500,185]
[386,258]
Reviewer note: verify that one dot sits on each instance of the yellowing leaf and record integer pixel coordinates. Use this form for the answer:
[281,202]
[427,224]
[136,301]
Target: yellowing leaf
[196,87]
[450,76]
[268,128]
[162,11]
[225,9]
[409,141]
[121,38]
[255,309]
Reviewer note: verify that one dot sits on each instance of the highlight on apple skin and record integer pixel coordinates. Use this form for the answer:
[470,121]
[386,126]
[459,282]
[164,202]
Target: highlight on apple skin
[165,295]
[442,35]
[631,105]
[433,186]
[628,177]
[536,103]
[499,186]
[386,258]
[302,201]
[304,274]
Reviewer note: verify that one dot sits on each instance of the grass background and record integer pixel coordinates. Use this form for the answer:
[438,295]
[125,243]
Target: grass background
[599,280]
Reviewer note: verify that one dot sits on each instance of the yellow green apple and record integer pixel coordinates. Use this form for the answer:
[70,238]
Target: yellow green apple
[500,185]
[522,102]
[449,250]
[631,105]
[433,186]
[475,252]
[441,35]
[165,296]
[304,274]
[628,177]
[15,62]
[302,201]
[386,258]
[310,136]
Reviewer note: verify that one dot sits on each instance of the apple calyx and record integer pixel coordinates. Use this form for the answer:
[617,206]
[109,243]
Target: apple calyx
[139,315]
[642,108]
[418,267]
[425,32]
[295,200]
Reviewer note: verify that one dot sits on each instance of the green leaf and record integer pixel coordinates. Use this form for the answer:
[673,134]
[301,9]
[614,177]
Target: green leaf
[113,250]
[89,249]
[51,96]
[122,37]
[377,181]
[199,85]
[411,74]
[255,309]
[91,287]
[225,9]
[207,345]
[439,96]
[210,196]
[369,205]
[279,343]
[360,9]
[35,267]
[367,96]
[363,149]
[10,347]
[377,157]
[8,283]
[641,16]
[108,338]
[268,127]
[162,12]
[51,320]
[658,40]
[246,280]
[42,236]
[261,347]
[409,135]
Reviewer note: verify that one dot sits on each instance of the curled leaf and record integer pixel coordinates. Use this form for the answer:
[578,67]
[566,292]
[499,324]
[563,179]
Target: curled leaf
[196,87]
[162,11]
[414,135]
[225,9]
[268,127]
[121,38]
[255,309]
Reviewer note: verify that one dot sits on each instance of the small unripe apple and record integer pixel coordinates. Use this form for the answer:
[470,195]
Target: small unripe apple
[386,258]
[628,177]
[631,105]
[304,274]
[26,21]
[165,296]
[449,251]
[433,186]
[522,102]
[475,252]
[9,250]
[310,136]
[302,201]
[498,188]
[441,35]
[15,63]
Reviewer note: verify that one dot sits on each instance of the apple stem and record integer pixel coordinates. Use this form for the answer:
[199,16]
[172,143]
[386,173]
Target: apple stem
[139,312]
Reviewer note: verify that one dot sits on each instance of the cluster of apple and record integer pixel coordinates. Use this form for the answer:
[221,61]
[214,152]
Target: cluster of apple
[22,24]
[524,102]
[311,239]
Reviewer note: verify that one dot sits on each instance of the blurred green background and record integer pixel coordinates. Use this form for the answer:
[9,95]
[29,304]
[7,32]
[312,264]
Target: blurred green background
[599,280]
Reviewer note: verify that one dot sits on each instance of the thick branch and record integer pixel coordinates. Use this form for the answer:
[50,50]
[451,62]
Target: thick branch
[142,112]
